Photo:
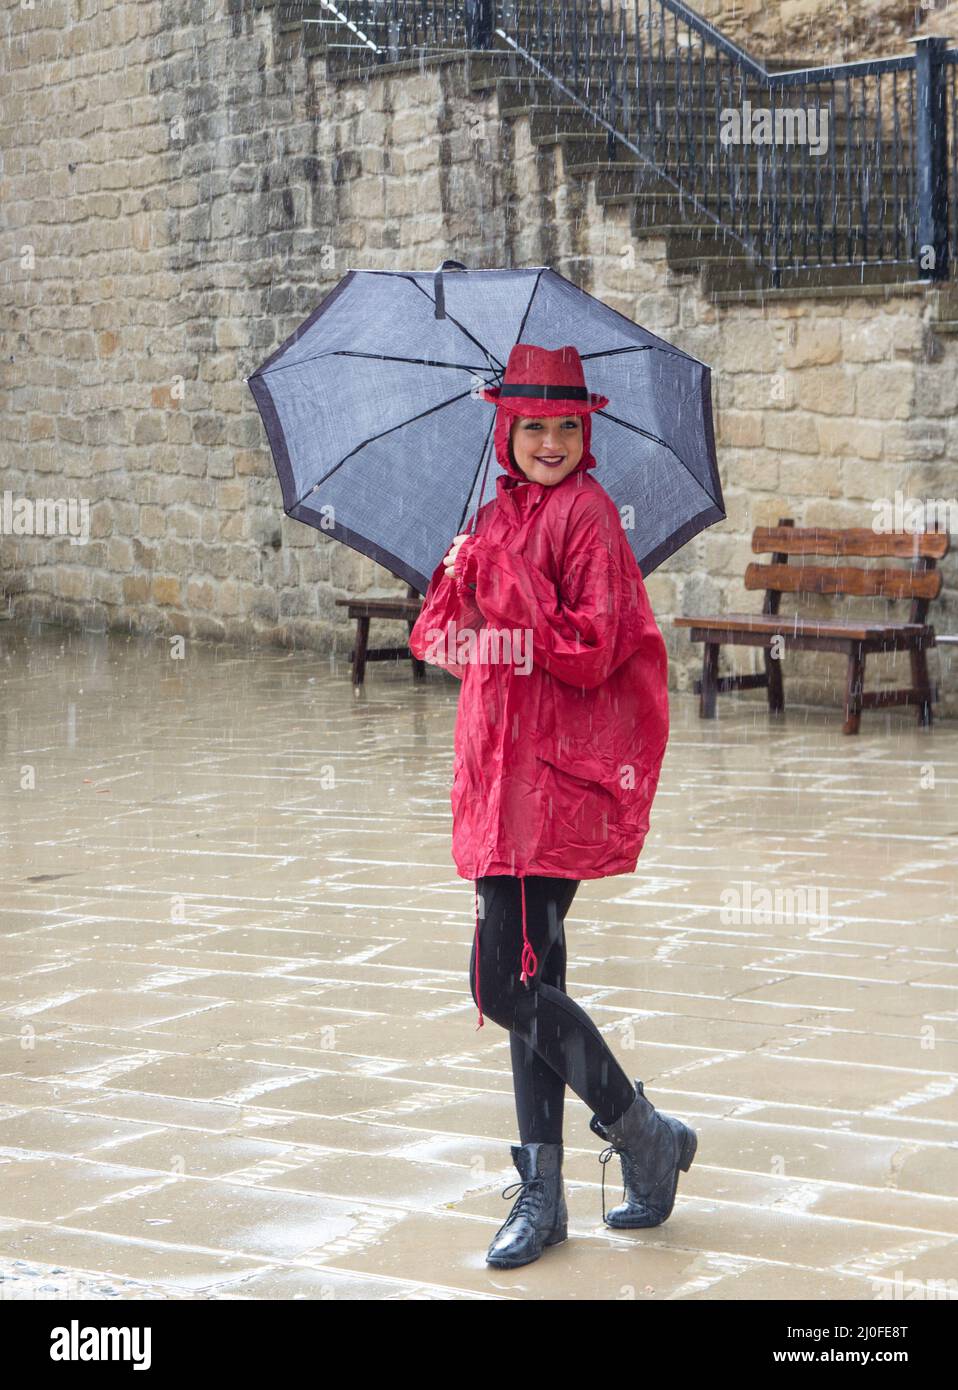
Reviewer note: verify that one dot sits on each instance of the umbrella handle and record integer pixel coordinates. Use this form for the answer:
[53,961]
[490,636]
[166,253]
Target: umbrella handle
[440,312]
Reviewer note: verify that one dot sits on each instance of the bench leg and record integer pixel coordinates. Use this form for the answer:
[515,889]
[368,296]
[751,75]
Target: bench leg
[776,686]
[359,654]
[709,680]
[418,667]
[921,685]
[853,691]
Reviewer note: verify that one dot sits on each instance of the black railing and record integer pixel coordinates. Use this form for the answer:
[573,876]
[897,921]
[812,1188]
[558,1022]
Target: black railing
[849,164]
[388,30]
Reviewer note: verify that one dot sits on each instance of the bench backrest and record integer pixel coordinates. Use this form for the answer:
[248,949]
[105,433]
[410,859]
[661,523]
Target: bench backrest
[920,583]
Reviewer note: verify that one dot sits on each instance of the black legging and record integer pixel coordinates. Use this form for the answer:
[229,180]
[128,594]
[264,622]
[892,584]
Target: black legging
[554,1042]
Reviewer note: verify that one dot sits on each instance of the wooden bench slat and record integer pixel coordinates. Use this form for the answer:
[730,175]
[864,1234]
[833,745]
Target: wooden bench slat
[854,540]
[844,579]
[789,623]
[380,608]
[383,602]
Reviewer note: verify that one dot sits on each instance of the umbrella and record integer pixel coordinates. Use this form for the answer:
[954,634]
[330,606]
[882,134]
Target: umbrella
[381,441]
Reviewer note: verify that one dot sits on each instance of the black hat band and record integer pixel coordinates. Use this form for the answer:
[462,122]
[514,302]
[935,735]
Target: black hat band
[547,393]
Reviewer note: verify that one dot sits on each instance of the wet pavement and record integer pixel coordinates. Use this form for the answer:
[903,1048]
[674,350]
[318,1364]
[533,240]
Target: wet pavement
[238,1055]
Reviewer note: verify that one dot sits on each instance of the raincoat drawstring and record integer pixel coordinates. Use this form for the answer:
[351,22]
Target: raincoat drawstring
[481,1023]
[530,963]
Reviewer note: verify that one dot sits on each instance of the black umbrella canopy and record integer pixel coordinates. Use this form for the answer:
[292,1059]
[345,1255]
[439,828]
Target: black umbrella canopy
[381,441]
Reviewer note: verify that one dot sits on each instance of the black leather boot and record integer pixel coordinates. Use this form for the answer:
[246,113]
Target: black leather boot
[652,1148]
[539,1216]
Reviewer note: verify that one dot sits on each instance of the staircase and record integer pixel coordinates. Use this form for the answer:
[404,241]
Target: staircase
[661,199]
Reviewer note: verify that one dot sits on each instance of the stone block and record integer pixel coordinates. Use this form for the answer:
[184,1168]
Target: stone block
[790,430]
[884,392]
[849,439]
[814,343]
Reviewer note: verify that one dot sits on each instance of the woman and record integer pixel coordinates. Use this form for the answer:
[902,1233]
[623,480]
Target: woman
[556,764]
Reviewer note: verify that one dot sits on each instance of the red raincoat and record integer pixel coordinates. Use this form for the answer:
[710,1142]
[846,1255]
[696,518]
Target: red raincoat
[556,762]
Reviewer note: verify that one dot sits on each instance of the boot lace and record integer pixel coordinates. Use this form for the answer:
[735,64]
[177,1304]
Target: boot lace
[527,1203]
[628,1173]
[604,1158]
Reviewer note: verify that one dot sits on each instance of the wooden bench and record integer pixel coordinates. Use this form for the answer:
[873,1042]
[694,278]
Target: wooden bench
[920,583]
[401,609]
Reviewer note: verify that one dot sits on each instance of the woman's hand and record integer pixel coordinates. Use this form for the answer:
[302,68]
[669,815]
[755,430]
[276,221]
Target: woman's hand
[449,560]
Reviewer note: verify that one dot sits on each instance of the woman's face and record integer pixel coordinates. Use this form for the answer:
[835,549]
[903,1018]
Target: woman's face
[547,447]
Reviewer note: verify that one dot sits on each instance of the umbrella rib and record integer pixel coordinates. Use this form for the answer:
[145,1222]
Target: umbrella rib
[481,346]
[528,307]
[482,455]
[656,440]
[392,428]
[635,347]
[485,444]
[375,356]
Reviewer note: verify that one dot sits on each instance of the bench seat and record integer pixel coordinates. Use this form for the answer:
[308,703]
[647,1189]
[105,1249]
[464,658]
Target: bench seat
[899,635]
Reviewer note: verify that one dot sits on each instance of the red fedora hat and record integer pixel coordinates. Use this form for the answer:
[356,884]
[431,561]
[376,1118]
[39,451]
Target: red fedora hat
[538,381]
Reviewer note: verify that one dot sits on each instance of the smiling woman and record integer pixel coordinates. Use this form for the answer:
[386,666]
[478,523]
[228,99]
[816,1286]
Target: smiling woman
[546,448]
[555,765]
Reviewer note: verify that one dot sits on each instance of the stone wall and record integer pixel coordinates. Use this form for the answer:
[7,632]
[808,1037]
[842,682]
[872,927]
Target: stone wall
[181,190]
[822,31]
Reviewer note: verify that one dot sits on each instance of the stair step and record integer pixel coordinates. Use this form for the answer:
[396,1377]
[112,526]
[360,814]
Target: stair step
[716,243]
[662,202]
[561,115]
[717,278]
[586,155]
[537,89]
[743,263]
[349,61]
[705,232]
[894,290]
[613,184]
[689,220]
[734,87]
[946,300]
[544,51]
[594,147]
[845,260]
[566,116]
[530,88]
